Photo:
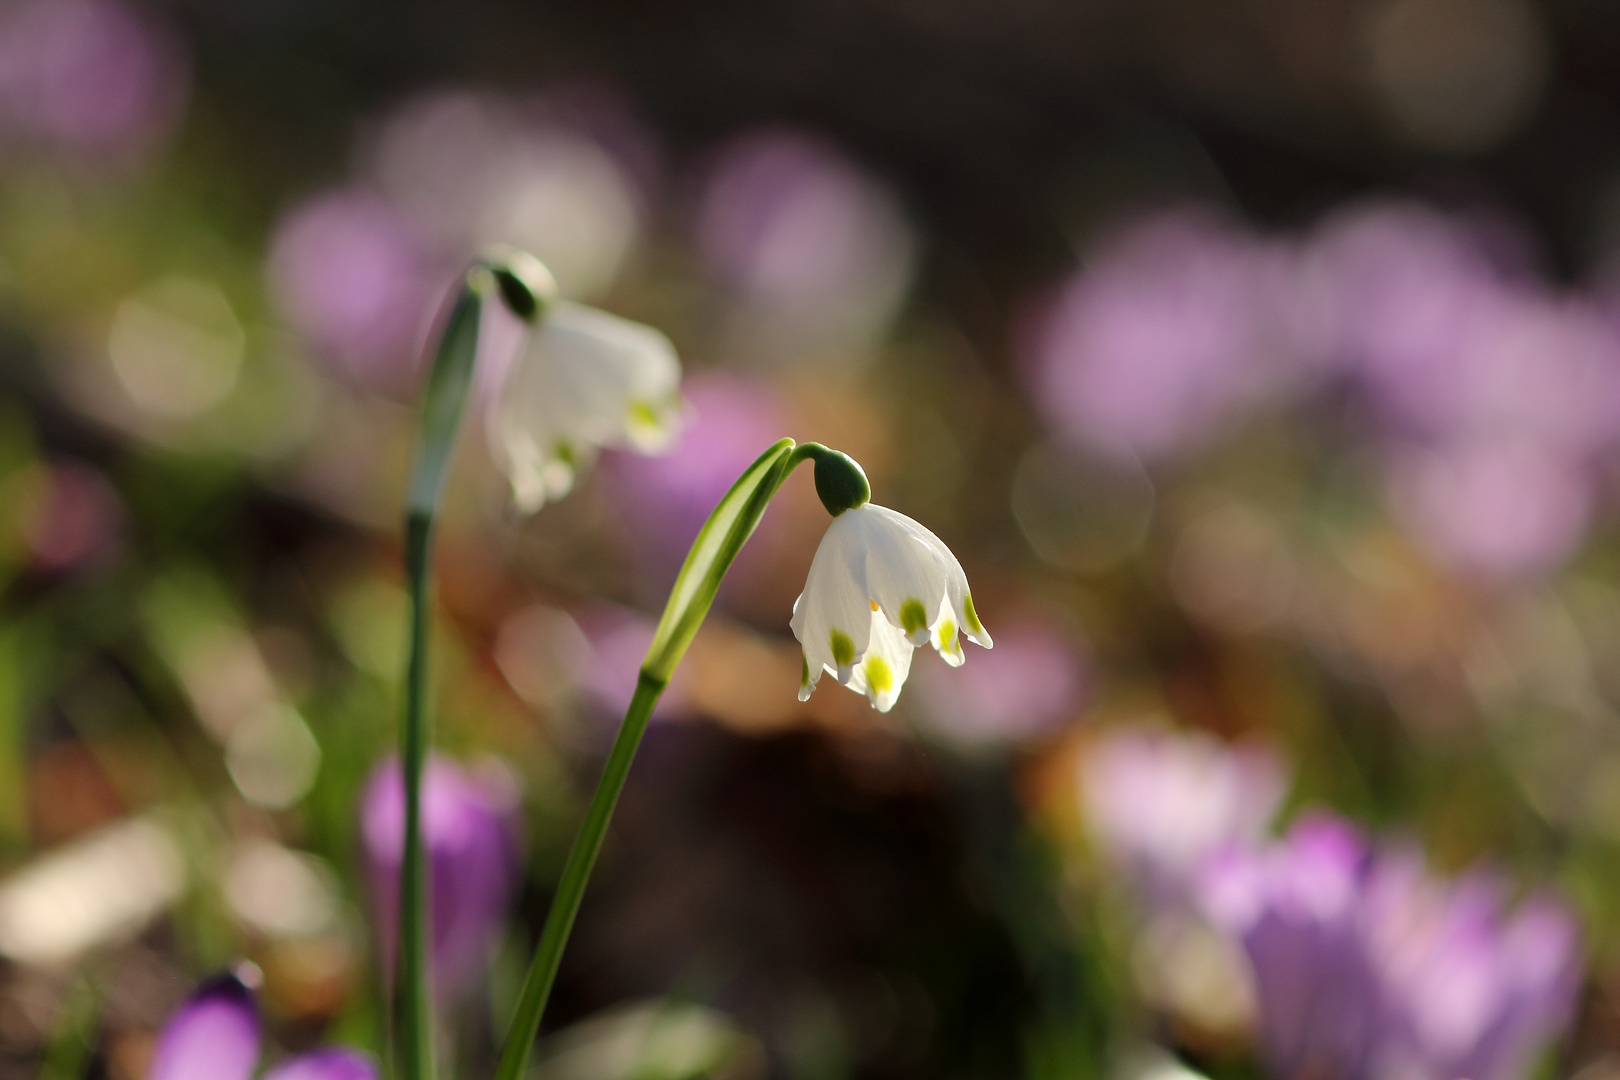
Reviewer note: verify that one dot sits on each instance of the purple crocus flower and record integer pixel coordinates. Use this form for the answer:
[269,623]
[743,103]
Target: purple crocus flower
[1367,967]
[468,832]
[214,1035]
[1162,337]
[1161,802]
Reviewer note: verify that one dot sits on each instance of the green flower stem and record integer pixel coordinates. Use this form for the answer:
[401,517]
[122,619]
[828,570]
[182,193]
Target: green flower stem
[445,400]
[413,1009]
[717,544]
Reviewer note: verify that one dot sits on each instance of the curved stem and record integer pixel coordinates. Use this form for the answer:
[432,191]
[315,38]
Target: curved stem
[717,544]
[444,402]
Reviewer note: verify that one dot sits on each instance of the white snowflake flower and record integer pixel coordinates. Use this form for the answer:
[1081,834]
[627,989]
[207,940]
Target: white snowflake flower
[879,586]
[583,380]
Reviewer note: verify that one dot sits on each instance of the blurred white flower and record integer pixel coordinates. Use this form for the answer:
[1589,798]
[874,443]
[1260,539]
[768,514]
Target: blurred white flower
[879,586]
[582,380]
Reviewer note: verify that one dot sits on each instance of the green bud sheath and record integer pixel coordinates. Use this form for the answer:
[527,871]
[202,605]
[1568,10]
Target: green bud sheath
[840,480]
[526,286]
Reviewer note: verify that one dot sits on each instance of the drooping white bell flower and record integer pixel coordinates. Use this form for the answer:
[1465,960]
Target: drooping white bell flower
[582,380]
[879,586]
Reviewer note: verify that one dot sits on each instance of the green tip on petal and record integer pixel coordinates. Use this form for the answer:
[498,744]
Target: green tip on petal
[843,649]
[525,285]
[913,619]
[971,617]
[879,676]
[804,671]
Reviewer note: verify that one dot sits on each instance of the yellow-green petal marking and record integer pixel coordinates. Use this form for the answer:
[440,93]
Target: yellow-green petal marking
[913,619]
[879,676]
[843,649]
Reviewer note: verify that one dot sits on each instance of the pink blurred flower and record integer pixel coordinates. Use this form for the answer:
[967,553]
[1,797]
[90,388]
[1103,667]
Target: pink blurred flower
[1162,802]
[69,515]
[88,76]
[469,831]
[1391,286]
[1164,336]
[472,168]
[1027,686]
[619,638]
[800,230]
[214,1035]
[1502,508]
[1367,967]
[665,500]
[351,275]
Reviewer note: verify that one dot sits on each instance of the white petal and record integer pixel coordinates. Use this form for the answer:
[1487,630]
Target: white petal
[883,671]
[904,574]
[834,602]
[946,635]
[585,379]
[958,598]
[619,377]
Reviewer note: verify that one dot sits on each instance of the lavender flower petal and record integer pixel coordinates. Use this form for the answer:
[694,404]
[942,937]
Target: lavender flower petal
[469,835]
[213,1035]
[334,1063]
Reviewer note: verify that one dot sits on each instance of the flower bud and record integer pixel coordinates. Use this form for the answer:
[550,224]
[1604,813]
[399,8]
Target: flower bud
[526,286]
[840,480]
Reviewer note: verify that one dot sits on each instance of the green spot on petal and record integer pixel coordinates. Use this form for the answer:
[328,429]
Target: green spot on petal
[564,452]
[843,649]
[969,616]
[804,671]
[912,616]
[879,676]
[947,636]
[642,414]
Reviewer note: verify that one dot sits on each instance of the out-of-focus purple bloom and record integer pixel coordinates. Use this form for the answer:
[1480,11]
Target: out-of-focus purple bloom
[1163,802]
[70,515]
[1502,509]
[1472,991]
[1501,393]
[473,169]
[469,834]
[666,499]
[1533,367]
[619,639]
[1392,286]
[88,76]
[1294,907]
[802,232]
[329,1064]
[214,1035]
[1028,685]
[1164,335]
[1366,967]
[1415,305]
[351,275]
